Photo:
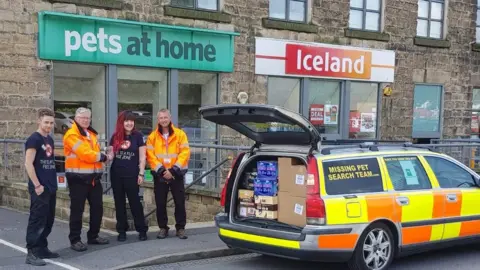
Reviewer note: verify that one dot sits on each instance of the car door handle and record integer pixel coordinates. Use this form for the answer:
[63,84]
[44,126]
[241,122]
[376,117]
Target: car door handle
[403,201]
[451,198]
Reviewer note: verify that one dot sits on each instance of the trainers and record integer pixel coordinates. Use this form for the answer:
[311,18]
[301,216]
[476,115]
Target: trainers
[181,234]
[34,260]
[78,246]
[98,241]
[142,236]
[122,237]
[45,253]
[162,234]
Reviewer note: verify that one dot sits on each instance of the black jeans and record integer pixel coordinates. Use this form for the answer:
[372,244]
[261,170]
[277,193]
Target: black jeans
[177,188]
[127,185]
[42,216]
[79,192]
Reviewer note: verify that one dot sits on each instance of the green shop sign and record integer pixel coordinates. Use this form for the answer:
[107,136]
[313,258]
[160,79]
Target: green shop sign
[77,38]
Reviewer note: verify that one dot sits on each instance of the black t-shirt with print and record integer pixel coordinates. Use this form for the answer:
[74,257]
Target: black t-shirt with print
[44,162]
[127,158]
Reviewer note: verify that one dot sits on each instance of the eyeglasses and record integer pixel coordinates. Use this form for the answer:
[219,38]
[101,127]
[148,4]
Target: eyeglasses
[83,118]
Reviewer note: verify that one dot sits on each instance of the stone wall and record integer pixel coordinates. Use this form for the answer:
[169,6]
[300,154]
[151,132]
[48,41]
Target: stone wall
[25,81]
[201,206]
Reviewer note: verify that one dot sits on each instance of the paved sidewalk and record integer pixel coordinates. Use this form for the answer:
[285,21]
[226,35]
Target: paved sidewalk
[116,255]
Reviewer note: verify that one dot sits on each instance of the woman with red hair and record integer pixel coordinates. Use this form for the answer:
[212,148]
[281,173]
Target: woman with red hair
[127,173]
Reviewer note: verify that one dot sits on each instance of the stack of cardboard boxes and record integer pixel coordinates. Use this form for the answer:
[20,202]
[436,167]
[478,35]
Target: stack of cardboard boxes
[292,191]
[279,192]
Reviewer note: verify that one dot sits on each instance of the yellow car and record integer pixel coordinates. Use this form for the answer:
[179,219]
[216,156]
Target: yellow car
[362,204]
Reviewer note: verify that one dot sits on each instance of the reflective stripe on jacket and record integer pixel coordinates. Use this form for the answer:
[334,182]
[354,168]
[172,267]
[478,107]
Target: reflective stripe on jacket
[82,154]
[168,153]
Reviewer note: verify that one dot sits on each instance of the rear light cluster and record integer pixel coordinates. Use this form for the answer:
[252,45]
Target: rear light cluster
[314,203]
[223,195]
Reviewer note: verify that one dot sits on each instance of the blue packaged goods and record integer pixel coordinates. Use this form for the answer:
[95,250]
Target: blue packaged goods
[265,186]
[267,169]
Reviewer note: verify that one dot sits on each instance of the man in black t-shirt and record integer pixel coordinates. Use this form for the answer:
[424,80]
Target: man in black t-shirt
[42,185]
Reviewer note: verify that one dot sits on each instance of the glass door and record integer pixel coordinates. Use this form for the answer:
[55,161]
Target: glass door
[323,107]
[363,110]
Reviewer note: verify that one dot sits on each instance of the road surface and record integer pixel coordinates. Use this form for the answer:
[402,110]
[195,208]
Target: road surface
[449,259]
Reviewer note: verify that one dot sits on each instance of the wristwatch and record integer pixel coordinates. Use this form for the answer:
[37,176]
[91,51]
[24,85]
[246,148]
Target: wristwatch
[142,175]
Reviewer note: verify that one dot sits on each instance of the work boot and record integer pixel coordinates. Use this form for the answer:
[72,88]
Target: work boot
[122,237]
[162,234]
[98,241]
[142,236]
[45,253]
[78,246]
[181,234]
[34,259]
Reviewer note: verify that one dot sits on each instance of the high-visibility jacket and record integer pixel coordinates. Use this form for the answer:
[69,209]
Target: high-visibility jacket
[83,158]
[174,151]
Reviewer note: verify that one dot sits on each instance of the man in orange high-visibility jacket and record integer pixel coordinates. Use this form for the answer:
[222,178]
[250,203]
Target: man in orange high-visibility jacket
[168,154]
[83,170]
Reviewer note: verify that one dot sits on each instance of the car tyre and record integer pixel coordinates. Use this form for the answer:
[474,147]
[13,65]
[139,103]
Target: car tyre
[375,249]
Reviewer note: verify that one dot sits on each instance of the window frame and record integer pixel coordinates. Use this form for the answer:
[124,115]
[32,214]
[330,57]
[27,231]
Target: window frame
[287,12]
[195,6]
[453,162]
[429,19]
[429,134]
[418,158]
[364,11]
[477,24]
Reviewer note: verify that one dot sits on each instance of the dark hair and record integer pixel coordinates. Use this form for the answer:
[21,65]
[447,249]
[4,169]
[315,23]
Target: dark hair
[45,112]
[119,135]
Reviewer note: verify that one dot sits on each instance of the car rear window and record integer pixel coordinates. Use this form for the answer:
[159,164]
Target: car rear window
[352,176]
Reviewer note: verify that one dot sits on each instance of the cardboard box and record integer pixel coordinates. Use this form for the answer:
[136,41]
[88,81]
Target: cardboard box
[292,209]
[269,200]
[267,207]
[245,195]
[292,177]
[266,214]
[246,210]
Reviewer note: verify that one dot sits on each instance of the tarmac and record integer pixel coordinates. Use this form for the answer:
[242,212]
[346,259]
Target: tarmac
[202,243]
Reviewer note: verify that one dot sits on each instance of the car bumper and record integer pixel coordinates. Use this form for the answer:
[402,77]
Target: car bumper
[304,246]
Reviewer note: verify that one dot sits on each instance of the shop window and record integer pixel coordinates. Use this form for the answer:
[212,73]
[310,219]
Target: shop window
[427,107]
[284,92]
[143,91]
[78,85]
[197,4]
[365,14]
[289,10]
[475,113]
[363,110]
[430,19]
[197,89]
[324,105]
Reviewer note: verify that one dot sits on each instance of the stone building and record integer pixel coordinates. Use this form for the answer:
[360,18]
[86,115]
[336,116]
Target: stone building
[335,61]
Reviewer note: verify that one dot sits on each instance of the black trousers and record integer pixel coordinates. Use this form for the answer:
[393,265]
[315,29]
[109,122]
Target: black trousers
[127,185]
[42,216]
[177,188]
[79,193]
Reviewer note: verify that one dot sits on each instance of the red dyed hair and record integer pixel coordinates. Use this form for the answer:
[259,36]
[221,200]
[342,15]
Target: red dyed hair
[119,134]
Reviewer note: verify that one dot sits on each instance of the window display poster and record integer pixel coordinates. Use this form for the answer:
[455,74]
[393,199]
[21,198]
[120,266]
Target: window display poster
[409,172]
[317,113]
[474,125]
[331,114]
[368,123]
[427,106]
[354,121]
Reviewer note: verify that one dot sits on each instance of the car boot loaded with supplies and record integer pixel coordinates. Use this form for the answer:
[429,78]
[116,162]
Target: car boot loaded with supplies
[274,190]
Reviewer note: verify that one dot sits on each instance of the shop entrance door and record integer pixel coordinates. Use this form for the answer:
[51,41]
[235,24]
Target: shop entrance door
[362,110]
[323,103]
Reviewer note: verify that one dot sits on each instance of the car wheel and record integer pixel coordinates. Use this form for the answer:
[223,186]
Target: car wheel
[375,249]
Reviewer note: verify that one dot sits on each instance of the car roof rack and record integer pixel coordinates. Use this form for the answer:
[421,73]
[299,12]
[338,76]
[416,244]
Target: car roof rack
[373,147]
[358,141]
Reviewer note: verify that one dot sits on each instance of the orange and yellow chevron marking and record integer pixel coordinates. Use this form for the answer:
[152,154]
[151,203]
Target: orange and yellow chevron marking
[337,241]
[469,228]
[381,206]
